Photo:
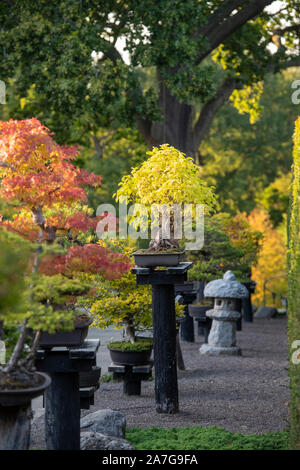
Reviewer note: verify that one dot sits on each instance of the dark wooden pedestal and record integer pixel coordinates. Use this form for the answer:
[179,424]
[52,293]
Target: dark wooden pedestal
[63,399]
[187,324]
[204,326]
[132,376]
[246,303]
[164,331]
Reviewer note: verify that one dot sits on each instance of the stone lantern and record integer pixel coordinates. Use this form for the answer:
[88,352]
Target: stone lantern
[222,336]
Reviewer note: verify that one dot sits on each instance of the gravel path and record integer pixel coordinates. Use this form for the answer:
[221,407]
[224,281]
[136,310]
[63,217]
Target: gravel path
[247,394]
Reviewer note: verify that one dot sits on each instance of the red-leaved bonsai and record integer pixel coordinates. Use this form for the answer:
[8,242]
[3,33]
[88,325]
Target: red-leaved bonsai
[44,201]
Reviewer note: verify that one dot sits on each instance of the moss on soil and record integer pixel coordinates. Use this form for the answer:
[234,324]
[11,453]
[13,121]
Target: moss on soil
[141,344]
[147,251]
[17,380]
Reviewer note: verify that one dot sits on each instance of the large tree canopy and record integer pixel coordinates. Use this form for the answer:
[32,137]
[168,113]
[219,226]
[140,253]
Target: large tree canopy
[63,57]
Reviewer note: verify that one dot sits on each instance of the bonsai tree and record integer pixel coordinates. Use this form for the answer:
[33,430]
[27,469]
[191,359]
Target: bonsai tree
[45,200]
[223,251]
[125,305]
[167,177]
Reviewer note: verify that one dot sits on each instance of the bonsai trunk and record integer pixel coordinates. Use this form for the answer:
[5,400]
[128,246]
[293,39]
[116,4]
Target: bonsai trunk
[164,244]
[129,331]
[18,349]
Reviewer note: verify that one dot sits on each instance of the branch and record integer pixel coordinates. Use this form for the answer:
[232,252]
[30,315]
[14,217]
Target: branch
[101,142]
[112,53]
[143,124]
[288,29]
[276,67]
[6,165]
[220,14]
[211,108]
[219,34]
[295,62]
[18,349]
[28,362]
[39,220]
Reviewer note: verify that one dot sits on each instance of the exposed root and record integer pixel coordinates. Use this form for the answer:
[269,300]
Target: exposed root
[19,378]
[156,246]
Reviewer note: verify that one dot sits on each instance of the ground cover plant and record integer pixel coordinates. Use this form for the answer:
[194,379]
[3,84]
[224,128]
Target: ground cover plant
[208,438]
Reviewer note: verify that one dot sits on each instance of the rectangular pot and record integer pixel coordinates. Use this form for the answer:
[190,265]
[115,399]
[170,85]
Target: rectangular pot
[65,338]
[150,260]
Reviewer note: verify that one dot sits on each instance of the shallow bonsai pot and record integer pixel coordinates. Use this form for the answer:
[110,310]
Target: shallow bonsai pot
[66,338]
[185,288]
[196,311]
[149,260]
[90,378]
[130,358]
[24,396]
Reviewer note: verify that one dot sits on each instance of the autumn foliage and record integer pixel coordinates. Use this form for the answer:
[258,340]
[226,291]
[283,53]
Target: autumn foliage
[271,265]
[49,194]
[90,258]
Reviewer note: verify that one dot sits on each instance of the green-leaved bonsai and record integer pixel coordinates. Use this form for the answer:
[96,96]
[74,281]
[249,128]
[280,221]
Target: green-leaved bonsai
[229,244]
[126,306]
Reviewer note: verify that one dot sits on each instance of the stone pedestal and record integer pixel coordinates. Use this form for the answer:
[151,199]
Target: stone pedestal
[222,336]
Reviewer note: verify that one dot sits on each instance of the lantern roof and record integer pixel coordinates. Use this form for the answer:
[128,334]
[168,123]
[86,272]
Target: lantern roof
[228,287]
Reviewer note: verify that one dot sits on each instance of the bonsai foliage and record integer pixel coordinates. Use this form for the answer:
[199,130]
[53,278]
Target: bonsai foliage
[13,262]
[229,244]
[46,199]
[39,177]
[168,178]
[125,305]
[294,294]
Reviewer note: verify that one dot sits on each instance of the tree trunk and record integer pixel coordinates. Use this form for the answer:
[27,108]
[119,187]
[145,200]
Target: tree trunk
[15,425]
[176,127]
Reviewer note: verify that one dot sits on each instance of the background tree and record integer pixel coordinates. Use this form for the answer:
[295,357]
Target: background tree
[222,251]
[271,265]
[47,47]
[242,159]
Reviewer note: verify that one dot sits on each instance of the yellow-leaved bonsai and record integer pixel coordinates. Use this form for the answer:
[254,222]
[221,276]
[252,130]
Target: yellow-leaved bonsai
[167,178]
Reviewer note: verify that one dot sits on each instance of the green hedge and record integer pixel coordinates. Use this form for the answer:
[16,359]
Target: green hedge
[209,438]
[294,291]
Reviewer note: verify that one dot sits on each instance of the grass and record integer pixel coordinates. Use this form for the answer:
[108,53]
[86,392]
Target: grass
[208,438]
